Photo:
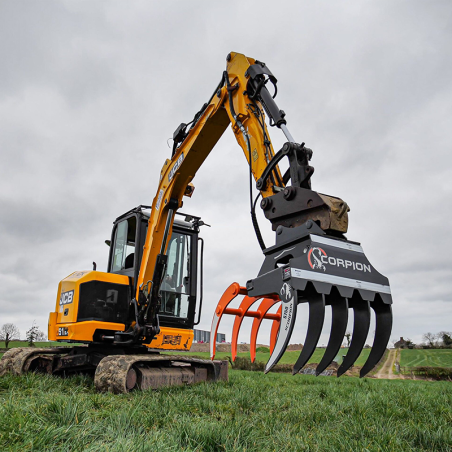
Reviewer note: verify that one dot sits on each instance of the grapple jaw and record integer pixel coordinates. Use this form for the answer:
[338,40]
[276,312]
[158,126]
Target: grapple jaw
[307,266]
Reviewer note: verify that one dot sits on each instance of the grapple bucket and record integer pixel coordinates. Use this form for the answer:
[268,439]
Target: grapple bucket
[307,266]
[244,311]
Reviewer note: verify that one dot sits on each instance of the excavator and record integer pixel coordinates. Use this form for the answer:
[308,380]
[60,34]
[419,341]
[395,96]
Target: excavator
[124,325]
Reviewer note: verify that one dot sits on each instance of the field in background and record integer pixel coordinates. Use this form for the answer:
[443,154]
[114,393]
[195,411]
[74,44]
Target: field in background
[252,412]
[14,344]
[289,357]
[408,358]
[427,357]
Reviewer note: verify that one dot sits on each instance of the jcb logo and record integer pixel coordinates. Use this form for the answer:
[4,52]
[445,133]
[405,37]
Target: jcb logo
[171,340]
[66,297]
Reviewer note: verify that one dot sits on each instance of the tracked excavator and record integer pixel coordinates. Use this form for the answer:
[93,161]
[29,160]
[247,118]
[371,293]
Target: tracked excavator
[120,321]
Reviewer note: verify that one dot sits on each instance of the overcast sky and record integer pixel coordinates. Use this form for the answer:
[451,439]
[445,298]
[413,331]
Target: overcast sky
[91,91]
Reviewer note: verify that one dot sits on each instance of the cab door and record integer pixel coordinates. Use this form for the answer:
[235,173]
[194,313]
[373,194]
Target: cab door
[179,286]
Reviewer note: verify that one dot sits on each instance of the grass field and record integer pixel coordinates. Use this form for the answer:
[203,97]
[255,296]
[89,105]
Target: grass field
[14,344]
[252,412]
[289,357]
[426,357]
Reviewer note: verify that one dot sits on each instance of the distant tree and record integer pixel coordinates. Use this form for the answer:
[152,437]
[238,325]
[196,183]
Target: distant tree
[446,338]
[430,339]
[9,332]
[409,343]
[41,336]
[34,334]
[347,336]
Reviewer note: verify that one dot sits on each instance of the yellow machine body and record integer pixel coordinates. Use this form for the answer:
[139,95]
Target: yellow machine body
[64,325]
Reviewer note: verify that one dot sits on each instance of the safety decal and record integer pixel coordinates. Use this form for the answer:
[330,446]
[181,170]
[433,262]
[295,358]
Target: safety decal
[159,200]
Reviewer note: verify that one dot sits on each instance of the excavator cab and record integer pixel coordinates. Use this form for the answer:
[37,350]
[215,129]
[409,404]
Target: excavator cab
[99,307]
[179,286]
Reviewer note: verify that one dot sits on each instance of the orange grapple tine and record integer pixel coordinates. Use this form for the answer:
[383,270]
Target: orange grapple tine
[361,324]
[246,303]
[383,326]
[229,294]
[263,308]
[339,310]
[315,325]
[274,331]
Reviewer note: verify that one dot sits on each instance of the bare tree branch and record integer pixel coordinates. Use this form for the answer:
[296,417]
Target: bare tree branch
[9,332]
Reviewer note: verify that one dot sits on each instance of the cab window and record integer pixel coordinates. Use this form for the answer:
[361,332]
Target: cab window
[124,245]
[175,286]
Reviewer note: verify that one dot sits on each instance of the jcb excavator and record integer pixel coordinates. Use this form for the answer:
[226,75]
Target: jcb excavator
[147,301]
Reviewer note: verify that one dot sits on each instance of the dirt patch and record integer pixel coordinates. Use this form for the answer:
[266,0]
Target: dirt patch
[241,348]
[205,347]
[295,347]
[387,370]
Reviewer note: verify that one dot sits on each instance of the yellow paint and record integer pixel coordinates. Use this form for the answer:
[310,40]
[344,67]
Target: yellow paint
[178,172]
[175,175]
[71,285]
[173,339]
[83,331]
[167,339]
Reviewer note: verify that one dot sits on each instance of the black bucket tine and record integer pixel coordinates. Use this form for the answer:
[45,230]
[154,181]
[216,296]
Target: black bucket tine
[361,326]
[339,310]
[288,316]
[316,318]
[383,327]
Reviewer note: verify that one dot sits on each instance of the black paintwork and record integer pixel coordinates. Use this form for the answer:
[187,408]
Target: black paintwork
[289,254]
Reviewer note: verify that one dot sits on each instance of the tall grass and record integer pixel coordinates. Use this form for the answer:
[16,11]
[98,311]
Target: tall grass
[252,412]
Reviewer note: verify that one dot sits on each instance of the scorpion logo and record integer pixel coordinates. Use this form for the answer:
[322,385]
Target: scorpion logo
[315,259]
[286,292]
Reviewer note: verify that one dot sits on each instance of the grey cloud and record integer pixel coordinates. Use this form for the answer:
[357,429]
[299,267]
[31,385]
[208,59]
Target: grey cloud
[91,91]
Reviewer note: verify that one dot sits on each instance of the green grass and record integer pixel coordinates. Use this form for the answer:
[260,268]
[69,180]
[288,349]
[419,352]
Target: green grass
[14,344]
[289,357]
[426,357]
[251,412]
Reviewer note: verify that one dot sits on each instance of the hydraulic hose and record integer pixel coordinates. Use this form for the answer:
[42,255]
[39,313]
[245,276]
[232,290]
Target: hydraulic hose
[248,146]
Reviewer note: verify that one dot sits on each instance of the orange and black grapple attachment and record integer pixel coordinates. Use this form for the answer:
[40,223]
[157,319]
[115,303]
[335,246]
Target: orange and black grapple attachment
[311,262]
[321,271]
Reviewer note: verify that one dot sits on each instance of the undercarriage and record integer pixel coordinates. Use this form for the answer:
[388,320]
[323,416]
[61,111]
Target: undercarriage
[117,370]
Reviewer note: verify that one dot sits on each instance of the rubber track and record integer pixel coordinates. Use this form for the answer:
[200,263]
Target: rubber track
[13,361]
[111,373]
